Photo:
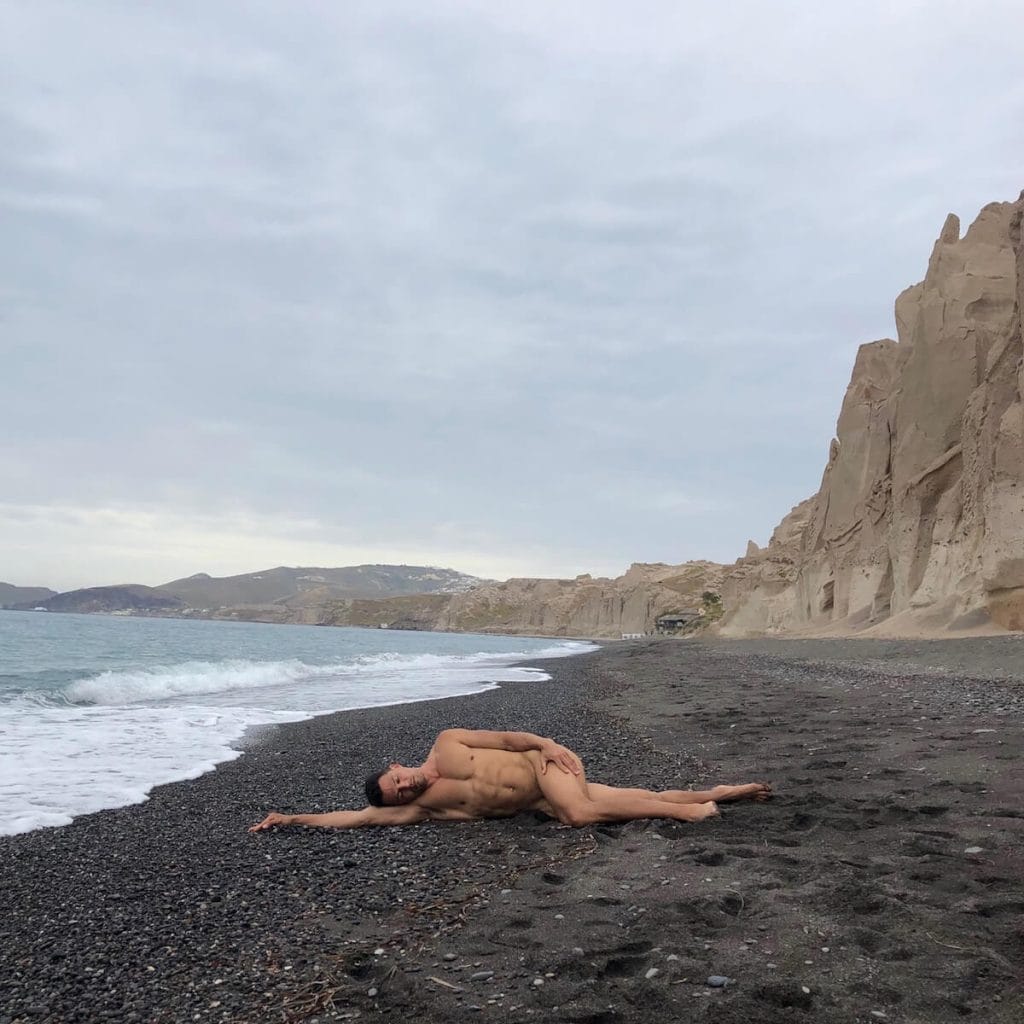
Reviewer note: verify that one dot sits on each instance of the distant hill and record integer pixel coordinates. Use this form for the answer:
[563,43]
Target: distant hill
[131,597]
[303,585]
[11,595]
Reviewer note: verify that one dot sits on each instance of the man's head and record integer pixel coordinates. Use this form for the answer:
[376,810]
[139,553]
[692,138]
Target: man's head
[395,785]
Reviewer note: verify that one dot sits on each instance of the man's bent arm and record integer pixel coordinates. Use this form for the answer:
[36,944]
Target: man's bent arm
[408,814]
[517,742]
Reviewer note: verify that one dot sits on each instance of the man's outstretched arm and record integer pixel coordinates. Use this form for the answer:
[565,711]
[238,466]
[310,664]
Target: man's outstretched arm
[519,742]
[409,814]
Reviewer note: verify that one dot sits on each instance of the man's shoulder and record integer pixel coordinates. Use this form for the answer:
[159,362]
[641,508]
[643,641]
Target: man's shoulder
[450,738]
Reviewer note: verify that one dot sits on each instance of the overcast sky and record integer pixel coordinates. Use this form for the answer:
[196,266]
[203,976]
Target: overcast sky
[520,289]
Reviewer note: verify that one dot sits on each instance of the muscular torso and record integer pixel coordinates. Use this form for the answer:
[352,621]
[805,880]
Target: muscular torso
[481,783]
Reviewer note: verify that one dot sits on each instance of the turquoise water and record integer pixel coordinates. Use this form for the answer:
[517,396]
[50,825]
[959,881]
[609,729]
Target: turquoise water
[96,710]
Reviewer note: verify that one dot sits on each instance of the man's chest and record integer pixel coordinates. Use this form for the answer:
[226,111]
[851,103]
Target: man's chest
[449,795]
[455,761]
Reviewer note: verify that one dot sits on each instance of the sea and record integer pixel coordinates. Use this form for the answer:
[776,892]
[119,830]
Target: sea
[97,710]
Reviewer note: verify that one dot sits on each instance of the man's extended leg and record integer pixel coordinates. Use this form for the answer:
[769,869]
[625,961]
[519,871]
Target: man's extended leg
[574,802]
[758,791]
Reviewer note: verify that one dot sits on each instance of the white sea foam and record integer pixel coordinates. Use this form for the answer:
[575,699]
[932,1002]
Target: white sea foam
[106,740]
[59,762]
[194,678]
[294,683]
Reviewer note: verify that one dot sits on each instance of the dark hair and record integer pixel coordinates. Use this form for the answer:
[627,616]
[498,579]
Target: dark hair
[374,796]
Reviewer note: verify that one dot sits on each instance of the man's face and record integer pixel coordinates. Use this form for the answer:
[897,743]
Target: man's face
[401,785]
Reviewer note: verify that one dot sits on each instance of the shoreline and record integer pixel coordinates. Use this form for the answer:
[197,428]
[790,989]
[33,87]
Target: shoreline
[886,779]
[91,740]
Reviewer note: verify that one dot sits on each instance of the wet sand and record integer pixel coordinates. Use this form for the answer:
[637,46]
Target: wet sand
[885,881]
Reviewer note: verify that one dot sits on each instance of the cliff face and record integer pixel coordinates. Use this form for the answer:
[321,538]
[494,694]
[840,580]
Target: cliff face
[584,606]
[408,611]
[919,521]
[535,607]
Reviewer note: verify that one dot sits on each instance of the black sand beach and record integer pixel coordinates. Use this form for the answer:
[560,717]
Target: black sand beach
[885,882]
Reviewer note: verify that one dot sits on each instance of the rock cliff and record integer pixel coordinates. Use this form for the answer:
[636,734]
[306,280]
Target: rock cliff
[585,606]
[919,520]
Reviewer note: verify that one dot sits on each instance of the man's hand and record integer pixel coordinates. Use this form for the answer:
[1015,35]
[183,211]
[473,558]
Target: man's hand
[555,753]
[272,819]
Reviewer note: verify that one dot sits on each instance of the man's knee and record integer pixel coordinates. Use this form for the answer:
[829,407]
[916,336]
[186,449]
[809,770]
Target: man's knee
[578,814]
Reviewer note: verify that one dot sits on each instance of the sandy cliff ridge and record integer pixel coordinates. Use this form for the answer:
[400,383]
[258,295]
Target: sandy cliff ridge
[919,521]
[584,606]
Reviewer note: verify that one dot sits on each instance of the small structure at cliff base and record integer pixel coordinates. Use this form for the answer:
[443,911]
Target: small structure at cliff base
[675,621]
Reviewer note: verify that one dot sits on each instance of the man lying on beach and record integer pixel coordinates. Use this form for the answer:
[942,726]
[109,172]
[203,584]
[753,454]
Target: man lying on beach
[472,773]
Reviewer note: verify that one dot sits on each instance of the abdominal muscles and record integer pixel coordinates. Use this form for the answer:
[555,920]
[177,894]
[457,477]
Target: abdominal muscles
[504,781]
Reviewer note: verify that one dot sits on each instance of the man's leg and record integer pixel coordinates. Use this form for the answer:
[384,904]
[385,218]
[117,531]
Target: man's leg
[574,802]
[758,791]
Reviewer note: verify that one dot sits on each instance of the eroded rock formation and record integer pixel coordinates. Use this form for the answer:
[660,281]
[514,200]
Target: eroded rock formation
[919,521]
[585,606]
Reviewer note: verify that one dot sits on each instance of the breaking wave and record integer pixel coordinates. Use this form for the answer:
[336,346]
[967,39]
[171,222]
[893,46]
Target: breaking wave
[239,676]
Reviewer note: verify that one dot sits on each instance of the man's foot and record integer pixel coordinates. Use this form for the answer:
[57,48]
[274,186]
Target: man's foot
[697,812]
[758,791]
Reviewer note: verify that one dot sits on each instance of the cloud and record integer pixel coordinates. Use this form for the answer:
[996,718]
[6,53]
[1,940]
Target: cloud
[572,286]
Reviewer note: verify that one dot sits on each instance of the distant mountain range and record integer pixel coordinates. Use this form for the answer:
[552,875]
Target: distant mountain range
[292,588]
[302,585]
